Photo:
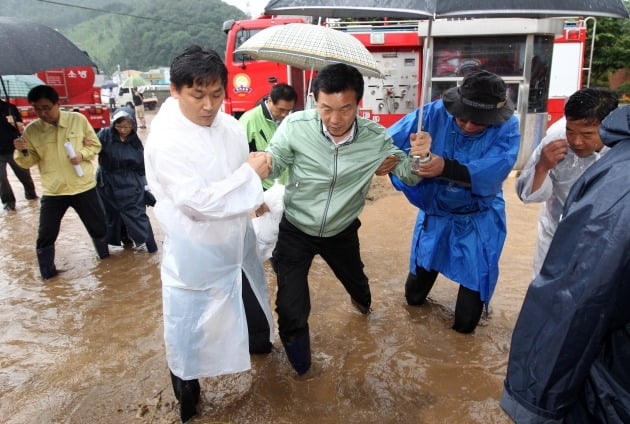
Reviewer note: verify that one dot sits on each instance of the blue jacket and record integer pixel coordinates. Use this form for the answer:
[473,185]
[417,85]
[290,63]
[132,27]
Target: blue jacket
[460,229]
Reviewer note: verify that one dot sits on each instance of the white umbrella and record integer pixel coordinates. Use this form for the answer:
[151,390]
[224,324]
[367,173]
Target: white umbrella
[309,46]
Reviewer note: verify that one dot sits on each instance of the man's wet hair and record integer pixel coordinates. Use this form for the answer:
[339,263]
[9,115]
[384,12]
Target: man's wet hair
[43,92]
[338,77]
[196,66]
[282,92]
[590,104]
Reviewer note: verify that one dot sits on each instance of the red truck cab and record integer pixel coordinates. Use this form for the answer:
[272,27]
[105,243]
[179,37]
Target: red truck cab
[250,80]
[77,92]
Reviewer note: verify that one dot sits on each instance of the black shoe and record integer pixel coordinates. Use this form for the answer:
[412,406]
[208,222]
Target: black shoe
[9,206]
[365,310]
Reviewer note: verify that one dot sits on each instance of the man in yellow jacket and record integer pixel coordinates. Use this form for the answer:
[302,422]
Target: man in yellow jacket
[62,144]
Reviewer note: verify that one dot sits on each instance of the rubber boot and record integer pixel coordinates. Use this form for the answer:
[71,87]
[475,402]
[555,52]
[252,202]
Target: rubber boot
[298,351]
[150,242]
[187,393]
[418,286]
[46,259]
[468,310]
[101,247]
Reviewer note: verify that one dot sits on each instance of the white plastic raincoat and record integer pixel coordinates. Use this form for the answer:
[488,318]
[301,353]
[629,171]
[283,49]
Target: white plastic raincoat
[205,194]
[554,190]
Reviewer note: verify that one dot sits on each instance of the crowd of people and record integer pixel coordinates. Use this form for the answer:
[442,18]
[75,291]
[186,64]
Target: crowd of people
[206,173]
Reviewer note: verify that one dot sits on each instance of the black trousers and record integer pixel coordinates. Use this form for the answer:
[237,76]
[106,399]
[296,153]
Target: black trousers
[257,324]
[87,205]
[23,175]
[292,258]
[468,308]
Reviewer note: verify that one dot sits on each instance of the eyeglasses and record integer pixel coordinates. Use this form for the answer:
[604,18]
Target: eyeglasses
[43,109]
[123,127]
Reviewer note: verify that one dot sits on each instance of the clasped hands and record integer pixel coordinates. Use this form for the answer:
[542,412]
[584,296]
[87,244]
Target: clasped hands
[420,146]
[260,163]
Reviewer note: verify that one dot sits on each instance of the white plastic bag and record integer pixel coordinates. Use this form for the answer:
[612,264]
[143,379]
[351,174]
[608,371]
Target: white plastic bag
[266,225]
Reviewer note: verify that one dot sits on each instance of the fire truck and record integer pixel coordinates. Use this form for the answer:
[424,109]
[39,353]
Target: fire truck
[77,92]
[540,60]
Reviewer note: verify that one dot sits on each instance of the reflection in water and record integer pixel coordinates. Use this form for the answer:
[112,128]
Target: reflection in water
[87,347]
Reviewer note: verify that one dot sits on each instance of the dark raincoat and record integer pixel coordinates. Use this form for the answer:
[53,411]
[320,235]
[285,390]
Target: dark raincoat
[570,354]
[121,184]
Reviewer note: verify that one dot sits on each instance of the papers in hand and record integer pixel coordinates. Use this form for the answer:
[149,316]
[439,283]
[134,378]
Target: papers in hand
[71,153]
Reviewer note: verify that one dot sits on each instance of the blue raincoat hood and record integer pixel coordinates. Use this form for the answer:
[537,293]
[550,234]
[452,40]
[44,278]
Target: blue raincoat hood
[616,126]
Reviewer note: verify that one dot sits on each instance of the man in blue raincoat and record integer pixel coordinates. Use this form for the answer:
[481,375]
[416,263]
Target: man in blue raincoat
[461,226]
[571,345]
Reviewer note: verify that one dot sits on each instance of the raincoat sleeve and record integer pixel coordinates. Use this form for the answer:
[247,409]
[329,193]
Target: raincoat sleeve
[176,175]
[402,129]
[526,178]
[488,172]
[571,309]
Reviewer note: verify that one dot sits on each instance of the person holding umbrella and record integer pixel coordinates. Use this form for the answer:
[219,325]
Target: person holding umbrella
[11,127]
[461,223]
[138,103]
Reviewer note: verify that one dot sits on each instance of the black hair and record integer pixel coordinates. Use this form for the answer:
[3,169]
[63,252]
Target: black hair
[590,104]
[43,92]
[282,92]
[197,66]
[338,77]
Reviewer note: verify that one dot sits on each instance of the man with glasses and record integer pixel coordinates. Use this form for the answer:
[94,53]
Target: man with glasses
[44,142]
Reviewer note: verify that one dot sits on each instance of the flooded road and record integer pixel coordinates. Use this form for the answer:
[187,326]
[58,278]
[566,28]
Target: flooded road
[87,347]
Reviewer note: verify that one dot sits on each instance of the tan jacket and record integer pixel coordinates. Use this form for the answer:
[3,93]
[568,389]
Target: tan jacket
[46,150]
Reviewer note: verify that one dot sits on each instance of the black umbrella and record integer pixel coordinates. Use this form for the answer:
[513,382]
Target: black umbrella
[434,9]
[423,9]
[28,47]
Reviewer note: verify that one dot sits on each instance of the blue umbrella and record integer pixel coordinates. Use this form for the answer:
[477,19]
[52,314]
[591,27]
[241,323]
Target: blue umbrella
[109,84]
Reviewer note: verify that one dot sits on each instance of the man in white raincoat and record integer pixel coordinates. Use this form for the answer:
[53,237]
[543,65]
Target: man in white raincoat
[206,186]
[570,146]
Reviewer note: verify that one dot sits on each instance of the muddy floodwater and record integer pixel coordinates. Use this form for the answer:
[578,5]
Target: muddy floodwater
[87,347]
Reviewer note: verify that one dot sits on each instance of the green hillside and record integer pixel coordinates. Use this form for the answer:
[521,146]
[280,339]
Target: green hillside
[142,34]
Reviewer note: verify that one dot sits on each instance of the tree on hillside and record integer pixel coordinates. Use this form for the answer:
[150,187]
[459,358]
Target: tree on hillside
[147,44]
[612,48]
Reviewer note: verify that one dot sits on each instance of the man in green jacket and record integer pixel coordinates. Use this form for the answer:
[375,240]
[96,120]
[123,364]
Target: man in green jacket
[67,180]
[331,155]
[261,122]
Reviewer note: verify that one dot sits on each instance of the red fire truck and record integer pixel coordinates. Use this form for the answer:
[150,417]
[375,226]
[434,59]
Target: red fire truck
[77,92]
[459,46]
